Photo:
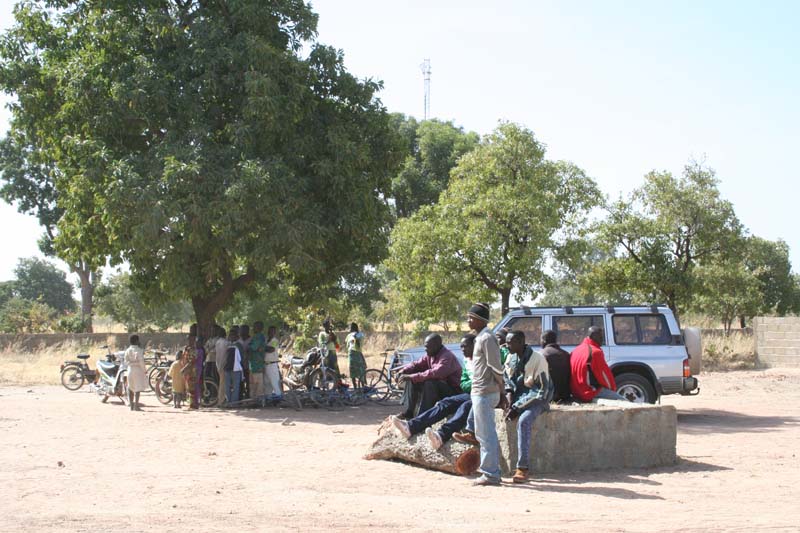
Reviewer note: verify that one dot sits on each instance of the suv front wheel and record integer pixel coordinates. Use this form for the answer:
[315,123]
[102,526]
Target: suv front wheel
[635,388]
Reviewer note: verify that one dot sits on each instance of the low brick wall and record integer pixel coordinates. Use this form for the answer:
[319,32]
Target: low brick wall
[777,341]
[595,437]
[117,341]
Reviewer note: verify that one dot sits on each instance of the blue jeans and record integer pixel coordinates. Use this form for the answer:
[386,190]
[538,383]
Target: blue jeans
[233,380]
[608,394]
[486,433]
[524,428]
[459,406]
[471,422]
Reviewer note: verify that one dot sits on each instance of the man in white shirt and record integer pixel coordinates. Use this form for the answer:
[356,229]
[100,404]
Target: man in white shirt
[233,367]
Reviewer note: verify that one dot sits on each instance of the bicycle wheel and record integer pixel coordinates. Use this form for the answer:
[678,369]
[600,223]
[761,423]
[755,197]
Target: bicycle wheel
[354,397]
[376,385]
[72,378]
[210,393]
[164,390]
[155,375]
[315,381]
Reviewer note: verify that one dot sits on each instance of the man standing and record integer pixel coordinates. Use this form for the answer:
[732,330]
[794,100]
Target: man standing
[257,348]
[558,363]
[458,405]
[591,378]
[528,393]
[487,382]
[233,367]
[433,377]
[221,352]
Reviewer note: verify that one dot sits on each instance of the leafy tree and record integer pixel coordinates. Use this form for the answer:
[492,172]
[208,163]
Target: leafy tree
[38,149]
[728,290]
[769,262]
[506,215]
[657,237]
[19,315]
[6,291]
[208,149]
[434,147]
[118,300]
[39,280]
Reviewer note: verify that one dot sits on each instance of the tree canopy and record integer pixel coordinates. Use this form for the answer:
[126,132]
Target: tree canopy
[42,281]
[211,147]
[506,215]
[660,234]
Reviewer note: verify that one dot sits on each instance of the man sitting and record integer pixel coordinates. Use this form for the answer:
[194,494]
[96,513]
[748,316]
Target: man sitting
[431,378]
[590,377]
[458,405]
[558,363]
[528,391]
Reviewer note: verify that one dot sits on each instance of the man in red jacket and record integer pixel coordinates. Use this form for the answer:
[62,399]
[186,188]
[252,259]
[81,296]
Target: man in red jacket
[590,377]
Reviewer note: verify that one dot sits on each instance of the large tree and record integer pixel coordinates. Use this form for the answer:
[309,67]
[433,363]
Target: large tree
[38,280]
[507,215]
[218,143]
[433,147]
[660,234]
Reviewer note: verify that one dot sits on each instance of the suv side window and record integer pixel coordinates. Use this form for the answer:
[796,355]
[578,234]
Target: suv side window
[572,329]
[530,325]
[641,329]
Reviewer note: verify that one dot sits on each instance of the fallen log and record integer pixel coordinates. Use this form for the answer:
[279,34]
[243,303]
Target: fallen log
[453,457]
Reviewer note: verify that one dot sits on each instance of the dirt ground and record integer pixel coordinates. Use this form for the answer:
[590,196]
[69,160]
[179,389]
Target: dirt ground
[70,463]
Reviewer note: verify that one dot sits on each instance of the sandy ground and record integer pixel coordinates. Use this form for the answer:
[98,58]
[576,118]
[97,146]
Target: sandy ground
[280,469]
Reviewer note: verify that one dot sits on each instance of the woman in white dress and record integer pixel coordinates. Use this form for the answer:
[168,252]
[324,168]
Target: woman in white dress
[137,375]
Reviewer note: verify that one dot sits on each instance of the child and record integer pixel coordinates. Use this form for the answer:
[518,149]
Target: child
[358,366]
[178,383]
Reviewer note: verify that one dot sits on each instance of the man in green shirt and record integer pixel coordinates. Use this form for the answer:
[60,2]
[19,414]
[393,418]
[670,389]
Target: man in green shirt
[257,347]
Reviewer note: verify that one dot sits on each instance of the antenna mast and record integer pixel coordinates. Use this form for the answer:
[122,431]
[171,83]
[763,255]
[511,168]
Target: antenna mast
[426,74]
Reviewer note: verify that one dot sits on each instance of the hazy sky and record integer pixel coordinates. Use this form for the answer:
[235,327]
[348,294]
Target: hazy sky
[619,88]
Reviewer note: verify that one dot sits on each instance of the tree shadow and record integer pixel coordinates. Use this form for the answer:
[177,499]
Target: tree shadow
[610,492]
[368,414]
[702,421]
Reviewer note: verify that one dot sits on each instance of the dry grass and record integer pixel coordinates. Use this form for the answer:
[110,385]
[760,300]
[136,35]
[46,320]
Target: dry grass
[41,366]
[729,352]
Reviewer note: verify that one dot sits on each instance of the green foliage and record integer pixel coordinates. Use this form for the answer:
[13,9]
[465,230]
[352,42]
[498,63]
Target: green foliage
[434,147]
[506,215]
[201,146]
[39,280]
[6,291]
[118,300]
[769,262]
[19,315]
[70,323]
[727,290]
[660,234]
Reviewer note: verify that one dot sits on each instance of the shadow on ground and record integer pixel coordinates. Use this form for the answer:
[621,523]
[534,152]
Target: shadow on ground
[700,421]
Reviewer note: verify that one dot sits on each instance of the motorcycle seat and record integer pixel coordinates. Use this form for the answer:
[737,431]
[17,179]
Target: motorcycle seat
[83,356]
[297,361]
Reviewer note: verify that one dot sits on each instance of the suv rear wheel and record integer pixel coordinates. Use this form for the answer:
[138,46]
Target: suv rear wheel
[635,388]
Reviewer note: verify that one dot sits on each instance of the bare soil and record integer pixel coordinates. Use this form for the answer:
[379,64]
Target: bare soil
[70,463]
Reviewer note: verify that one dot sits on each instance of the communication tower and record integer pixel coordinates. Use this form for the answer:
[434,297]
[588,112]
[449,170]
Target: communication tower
[426,74]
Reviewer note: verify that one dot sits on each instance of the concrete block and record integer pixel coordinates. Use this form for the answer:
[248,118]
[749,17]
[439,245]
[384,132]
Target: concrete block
[594,437]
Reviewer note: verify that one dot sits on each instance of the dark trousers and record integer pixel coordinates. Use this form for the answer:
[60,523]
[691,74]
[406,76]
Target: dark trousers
[426,394]
[459,406]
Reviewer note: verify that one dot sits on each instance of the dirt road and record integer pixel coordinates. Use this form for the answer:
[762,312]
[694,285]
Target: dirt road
[70,463]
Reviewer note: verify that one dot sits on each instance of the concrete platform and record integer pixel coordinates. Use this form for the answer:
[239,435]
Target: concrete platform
[593,437]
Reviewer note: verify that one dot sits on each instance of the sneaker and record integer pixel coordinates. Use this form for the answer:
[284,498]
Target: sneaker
[466,437]
[520,475]
[434,437]
[485,480]
[401,425]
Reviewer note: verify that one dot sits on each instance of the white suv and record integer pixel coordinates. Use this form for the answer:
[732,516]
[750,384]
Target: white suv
[644,346]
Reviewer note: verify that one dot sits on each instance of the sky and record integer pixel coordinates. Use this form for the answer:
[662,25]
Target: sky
[619,88]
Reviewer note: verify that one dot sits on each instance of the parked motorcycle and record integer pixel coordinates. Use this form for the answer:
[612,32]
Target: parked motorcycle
[112,377]
[306,372]
[75,373]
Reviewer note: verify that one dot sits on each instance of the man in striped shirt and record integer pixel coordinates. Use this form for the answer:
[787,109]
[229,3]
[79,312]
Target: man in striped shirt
[529,391]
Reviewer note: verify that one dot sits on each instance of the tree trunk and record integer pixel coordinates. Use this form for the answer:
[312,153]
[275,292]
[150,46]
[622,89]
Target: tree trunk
[505,295]
[742,323]
[206,307]
[204,313]
[453,457]
[87,279]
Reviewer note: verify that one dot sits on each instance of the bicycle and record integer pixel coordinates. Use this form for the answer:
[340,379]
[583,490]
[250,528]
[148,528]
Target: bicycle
[382,385]
[156,365]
